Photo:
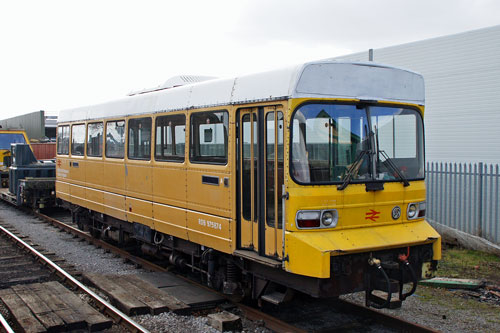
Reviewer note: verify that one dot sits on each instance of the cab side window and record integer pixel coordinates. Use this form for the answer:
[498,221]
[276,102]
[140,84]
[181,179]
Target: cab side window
[63,140]
[208,142]
[94,139]
[115,139]
[139,139]
[78,140]
[170,138]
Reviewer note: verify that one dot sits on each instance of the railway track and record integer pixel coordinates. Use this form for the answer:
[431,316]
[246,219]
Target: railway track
[359,317]
[17,266]
[37,302]
[369,316]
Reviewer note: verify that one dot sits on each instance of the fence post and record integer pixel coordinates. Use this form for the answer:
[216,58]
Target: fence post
[480,200]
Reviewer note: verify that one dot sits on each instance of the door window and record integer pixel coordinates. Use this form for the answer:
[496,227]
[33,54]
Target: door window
[274,168]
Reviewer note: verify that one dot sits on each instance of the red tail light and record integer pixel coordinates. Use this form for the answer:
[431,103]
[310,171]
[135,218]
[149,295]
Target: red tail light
[308,223]
[309,219]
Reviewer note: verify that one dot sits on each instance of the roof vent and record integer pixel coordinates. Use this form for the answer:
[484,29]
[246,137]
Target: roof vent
[174,82]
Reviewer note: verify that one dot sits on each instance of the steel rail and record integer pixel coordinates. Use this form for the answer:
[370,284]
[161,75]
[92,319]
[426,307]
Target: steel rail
[271,322]
[116,314]
[5,324]
[387,319]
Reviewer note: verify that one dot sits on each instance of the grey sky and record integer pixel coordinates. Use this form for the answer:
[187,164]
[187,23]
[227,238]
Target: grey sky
[61,54]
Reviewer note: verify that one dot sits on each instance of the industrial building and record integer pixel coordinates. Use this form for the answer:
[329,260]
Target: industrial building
[462,78]
[38,125]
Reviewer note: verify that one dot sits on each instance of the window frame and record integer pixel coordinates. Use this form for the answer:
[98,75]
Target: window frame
[72,151]
[169,158]
[87,140]
[192,133]
[67,126]
[116,121]
[127,144]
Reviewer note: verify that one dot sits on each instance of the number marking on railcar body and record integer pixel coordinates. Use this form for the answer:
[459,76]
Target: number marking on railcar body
[210,224]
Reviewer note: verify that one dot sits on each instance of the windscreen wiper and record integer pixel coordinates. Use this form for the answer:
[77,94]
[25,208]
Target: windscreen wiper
[388,162]
[354,167]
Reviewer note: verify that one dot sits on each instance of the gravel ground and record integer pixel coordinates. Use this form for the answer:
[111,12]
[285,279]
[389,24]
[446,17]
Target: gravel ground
[86,258]
[446,311]
[170,322]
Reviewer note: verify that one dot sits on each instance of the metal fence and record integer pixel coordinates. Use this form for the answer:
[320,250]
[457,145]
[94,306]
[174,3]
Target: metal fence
[464,197]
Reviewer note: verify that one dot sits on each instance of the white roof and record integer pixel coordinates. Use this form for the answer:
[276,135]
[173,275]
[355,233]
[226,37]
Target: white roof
[318,79]
[173,82]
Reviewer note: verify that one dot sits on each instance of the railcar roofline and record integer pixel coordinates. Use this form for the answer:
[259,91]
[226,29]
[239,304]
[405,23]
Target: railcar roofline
[317,79]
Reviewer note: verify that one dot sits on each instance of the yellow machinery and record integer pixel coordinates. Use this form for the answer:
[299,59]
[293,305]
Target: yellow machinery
[8,137]
[309,178]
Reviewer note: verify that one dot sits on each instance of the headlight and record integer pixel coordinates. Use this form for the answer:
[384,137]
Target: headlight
[329,218]
[416,210]
[412,211]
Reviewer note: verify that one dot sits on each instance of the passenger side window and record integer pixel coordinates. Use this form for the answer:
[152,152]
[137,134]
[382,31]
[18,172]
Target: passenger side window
[63,140]
[115,139]
[208,142]
[139,139]
[170,138]
[77,139]
[94,139]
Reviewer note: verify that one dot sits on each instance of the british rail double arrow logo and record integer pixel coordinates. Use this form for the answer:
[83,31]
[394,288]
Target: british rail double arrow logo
[372,215]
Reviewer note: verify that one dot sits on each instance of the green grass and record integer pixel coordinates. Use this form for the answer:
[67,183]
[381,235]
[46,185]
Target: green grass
[469,264]
[454,300]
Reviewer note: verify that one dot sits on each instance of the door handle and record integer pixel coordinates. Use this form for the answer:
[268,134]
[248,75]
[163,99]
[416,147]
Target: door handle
[210,180]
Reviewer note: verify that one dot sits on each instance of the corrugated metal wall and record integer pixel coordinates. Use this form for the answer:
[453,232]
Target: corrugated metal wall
[33,123]
[462,77]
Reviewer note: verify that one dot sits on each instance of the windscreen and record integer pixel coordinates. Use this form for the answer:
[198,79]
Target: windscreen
[329,139]
[7,138]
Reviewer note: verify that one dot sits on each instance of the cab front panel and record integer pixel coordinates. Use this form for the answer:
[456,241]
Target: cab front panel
[369,217]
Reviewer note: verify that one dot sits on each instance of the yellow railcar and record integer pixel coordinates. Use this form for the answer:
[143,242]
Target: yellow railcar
[309,178]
